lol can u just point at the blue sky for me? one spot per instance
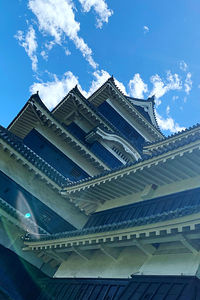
(151, 47)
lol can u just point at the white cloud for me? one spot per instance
(121, 86)
(67, 52)
(100, 8)
(52, 92)
(44, 55)
(188, 83)
(57, 18)
(174, 82)
(168, 123)
(49, 45)
(168, 110)
(30, 45)
(100, 78)
(161, 87)
(174, 98)
(183, 66)
(146, 29)
(137, 87)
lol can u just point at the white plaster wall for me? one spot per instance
(171, 264)
(129, 262)
(100, 265)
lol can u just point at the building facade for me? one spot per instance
(96, 198)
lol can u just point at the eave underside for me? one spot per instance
(166, 169)
(172, 237)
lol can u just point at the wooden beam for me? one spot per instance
(102, 191)
(171, 167)
(139, 177)
(112, 253)
(57, 256)
(39, 254)
(98, 194)
(91, 195)
(135, 180)
(188, 244)
(167, 172)
(123, 185)
(146, 249)
(190, 164)
(154, 179)
(185, 169)
(80, 253)
(46, 258)
(155, 173)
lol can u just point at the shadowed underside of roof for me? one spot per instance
(146, 212)
(181, 139)
(26, 208)
(156, 209)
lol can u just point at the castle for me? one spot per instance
(99, 200)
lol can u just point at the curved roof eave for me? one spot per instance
(152, 127)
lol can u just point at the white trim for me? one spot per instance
(147, 108)
(115, 138)
(113, 153)
(141, 231)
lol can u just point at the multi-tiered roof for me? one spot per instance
(115, 183)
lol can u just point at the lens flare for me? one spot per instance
(25, 215)
(27, 222)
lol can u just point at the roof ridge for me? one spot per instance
(155, 216)
(174, 134)
(144, 158)
(62, 181)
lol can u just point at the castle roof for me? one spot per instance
(141, 213)
(18, 149)
(176, 159)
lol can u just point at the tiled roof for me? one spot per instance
(173, 146)
(54, 156)
(17, 144)
(141, 109)
(76, 91)
(40, 217)
(10, 210)
(140, 213)
(175, 135)
(95, 110)
(148, 211)
(95, 147)
(111, 81)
